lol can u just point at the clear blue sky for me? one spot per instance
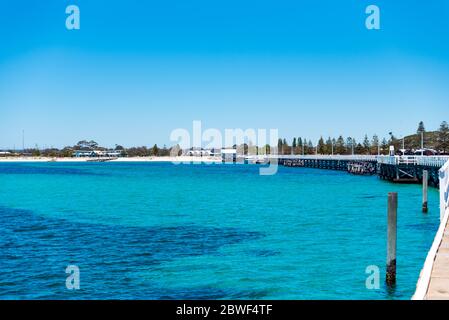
(139, 69)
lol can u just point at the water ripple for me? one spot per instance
(36, 254)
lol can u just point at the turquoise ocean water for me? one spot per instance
(164, 231)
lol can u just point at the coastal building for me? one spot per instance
(229, 155)
(426, 152)
(199, 153)
(214, 152)
(5, 154)
(97, 153)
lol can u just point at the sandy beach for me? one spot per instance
(180, 159)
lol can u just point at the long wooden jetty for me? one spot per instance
(410, 169)
(400, 169)
(352, 164)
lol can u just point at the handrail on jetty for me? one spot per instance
(422, 287)
(398, 169)
(444, 189)
(325, 157)
(430, 161)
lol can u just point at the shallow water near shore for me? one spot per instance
(210, 231)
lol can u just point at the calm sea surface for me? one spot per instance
(164, 231)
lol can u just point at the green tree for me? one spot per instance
(66, 152)
(359, 149)
(340, 145)
(443, 137)
(328, 146)
(280, 146)
(394, 142)
(384, 146)
(86, 145)
(155, 150)
(36, 153)
(310, 148)
(285, 147)
(299, 144)
(164, 151)
(321, 146)
(366, 145)
(349, 145)
(421, 128)
(305, 146)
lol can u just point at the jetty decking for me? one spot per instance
(433, 283)
(439, 278)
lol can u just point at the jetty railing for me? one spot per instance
(430, 161)
(396, 160)
(424, 278)
(427, 161)
(444, 189)
(326, 157)
(434, 161)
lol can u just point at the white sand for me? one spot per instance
(169, 159)
(180, 159)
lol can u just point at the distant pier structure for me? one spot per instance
(352, 164)
(410, 169)
(400, 169)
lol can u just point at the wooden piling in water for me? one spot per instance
(391, 237)
(425, 179)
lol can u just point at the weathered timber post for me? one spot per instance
(391, 237)
(425, 179)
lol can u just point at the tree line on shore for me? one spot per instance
(91, 145)
(437, 140)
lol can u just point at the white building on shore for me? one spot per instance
(197, 152)
(97, 153)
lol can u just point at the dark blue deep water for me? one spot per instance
(164, 231)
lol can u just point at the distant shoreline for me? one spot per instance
(124, 159)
